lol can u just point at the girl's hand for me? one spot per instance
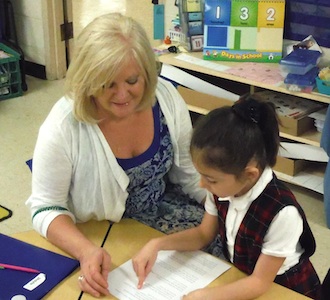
(143, 262)
(95, 265)
(200, 294)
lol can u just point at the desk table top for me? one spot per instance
(68, 288)
(129, 236)
(123, 241)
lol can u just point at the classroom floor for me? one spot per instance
(20, 119)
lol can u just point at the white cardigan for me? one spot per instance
(74, 167)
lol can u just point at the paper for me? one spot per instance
(193, 5)
(201, 62)
(159, 22)
(262, 73)
(288, 105)
(195, 83)
(306, 179)
(319, 115)
(303, 151)
(173, 275)
(35, 282)
(309, 43)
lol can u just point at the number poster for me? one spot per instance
(243, 30)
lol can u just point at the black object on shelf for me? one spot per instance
(8, 35)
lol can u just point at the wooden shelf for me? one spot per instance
(311, 137)
(311, 178)
(201, 68)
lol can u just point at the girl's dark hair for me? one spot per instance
(231, 136)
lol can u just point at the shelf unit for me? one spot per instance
(311, 137)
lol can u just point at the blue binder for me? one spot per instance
(56, 267)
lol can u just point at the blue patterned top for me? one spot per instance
(147, 172)
(153, 199)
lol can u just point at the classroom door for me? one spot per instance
(64, 20)
(58, 26)
(76, 14)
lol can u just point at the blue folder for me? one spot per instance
(56, 267)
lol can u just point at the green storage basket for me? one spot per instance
(10, 74)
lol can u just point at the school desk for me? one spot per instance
(128, 236)
(68, 288)
(123, 241)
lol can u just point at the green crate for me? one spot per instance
(10, 74)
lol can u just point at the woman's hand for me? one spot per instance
(144, 260)
(95, 262)
(95, 265)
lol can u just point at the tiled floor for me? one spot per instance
(20, 119)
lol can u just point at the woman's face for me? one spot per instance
(121, 98)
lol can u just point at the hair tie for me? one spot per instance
(247, 109)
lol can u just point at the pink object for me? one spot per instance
(18, 268)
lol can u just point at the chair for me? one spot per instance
(29, 163)
(326, 287)
(325, 144)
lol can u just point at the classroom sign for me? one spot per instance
(243, 30)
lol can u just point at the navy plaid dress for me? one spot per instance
(302, 277)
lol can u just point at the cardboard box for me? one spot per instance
(292, 111)
(290, 166)
(296, 127)
(201, 102)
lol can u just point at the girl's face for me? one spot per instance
(219, 183)
(124, 94)
(222, 184)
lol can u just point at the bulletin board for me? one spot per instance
(243, 30)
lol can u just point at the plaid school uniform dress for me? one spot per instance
(302, 277)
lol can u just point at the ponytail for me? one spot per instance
(230, 137)
(264, 115)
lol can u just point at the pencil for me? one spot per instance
(18, 268)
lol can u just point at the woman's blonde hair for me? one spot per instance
(100, 50)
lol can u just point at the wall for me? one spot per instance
(85, 11)
(30, 30)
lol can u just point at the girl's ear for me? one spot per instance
(252, 173)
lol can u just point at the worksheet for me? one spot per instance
(173, 275)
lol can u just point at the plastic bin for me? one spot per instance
(10, 74)
(323, 86)
(299, 61)
(302, 83)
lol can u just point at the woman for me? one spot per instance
(117, 145)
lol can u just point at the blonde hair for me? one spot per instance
(100, 50)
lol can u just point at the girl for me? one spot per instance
(264, 230)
